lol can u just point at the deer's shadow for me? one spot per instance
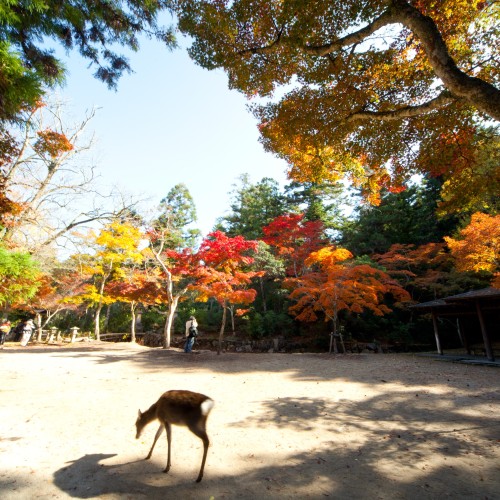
(88, 477)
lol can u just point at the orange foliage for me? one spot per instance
(478, 246)
(52, 143)
(341, 284)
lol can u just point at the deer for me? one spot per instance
(178, 407)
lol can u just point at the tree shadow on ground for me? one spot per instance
(399, 450)
(388, 423)
(398, 444)
(400, 368)
(316, 474)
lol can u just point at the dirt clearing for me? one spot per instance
(284, 425)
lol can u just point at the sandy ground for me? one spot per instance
(284, 425)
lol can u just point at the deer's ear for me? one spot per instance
(140, 414)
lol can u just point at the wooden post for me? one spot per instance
(436, 333)
(462, 335)
(486, 338)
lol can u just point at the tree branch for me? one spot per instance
(438, 102)
(484, 96)
(353, 38)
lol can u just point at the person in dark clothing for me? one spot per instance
(191, 333)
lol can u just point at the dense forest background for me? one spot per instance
(393, 153)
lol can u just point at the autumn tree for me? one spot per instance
(9, 149)
(171, 239)
(369, 89)
(137, 286)
(46, 174)
(475, 185)
(223, 275)
(336, 283)
(426, 271)
(477, 247)
(94, 28)
(114, 247)
(293, 239)
(54, 295)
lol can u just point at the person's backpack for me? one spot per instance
(193, 332)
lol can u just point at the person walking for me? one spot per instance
(28, 328)
(191, 333)
(4, 331)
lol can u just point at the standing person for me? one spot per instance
(191, 333)
(4, 331)
(28, 328)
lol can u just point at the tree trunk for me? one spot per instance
(332, 337)
(262, 292)
(169, 321)
(97, 317)
(231, 310)
(221, 333)
(106, 319)
(132, 326)
(484, 96)
(38, 322)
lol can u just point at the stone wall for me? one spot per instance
(276, 344)
(230, 344)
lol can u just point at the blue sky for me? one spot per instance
(170, 122)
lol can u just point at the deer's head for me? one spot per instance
(139, 425)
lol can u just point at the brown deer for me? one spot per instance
(180, 408)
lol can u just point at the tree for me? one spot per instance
(406, 218)
(253, 206)
(46, 175)
(171, 244)
(478, 246)
(19, 274)
(368, 86)
(136, 286)
(54, 295)
(293, 239)
(177, 214)
(222, 275)
(273, 268)
(93, 27)
(475, 185)
(20, 87)
(115, 246)
(339, 283)
(177, 271)
(426, 271)
(318, 202)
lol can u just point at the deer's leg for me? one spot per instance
(168, 428)
(158, 434)
(199, 430)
